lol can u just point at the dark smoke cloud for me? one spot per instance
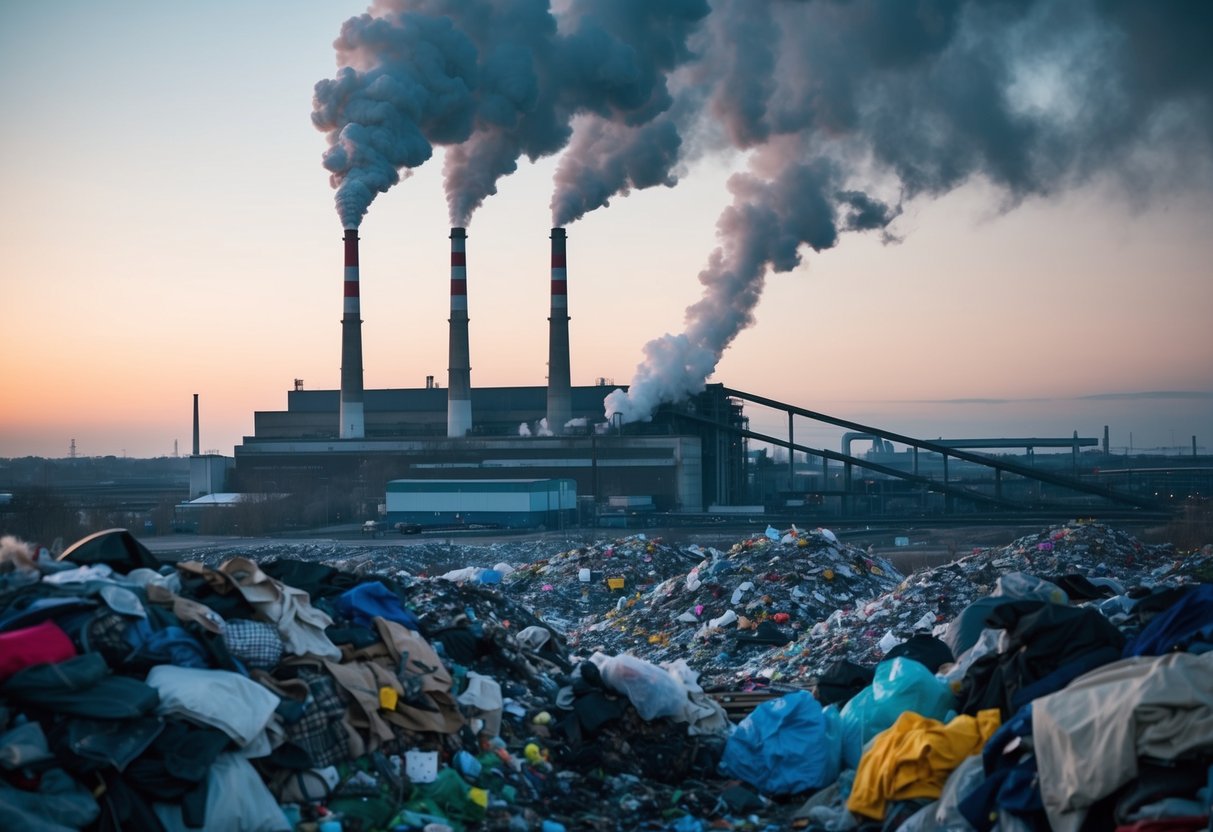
(915, 98)
(509, 85)
(404, 83)
(606, 160)
(845, 110)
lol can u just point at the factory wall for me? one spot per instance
(663, 467)
(421, 412)
(682, 463)
(503, 503)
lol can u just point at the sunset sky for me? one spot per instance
(166, 229)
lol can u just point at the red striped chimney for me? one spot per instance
(459, 384)
(352, 424)
(560, 397)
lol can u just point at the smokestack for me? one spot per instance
(459, 385)
(560, 396)
(196, 445)
(353, 425)
(1105, 440)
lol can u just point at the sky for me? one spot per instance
(168, 227)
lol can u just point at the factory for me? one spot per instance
(353, 442)
(399, 454)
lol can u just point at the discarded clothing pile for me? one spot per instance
(281, 694)
(273, 695)
(765, 590)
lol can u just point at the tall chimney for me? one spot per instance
(560, 396)
(196, 445)
(459, 385)
(351, 416)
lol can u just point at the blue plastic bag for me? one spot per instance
(900, 685)
(785, 746)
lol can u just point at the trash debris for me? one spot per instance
(619, 684)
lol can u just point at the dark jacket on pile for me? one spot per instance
(1049, 646)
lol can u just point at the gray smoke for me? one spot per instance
(494, 80)
(405, 82)
(606, 159)
(845, 109)
(914, 98)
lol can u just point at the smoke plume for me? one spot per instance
(837, 103)
(844, 111)
(405, 82)
(493, 81)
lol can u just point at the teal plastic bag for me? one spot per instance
(900, 685)
(786, 745)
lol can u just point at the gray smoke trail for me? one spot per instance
(606, 159)
(404, 83)
(1034, 97)
(765, 227)
(495, 80)
(611, 59)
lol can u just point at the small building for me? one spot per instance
(209, 474)
(509, 504)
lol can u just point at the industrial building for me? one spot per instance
(343, 447)
(682, 464)
(506, 504)
(352, 442)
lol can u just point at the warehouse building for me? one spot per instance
(504, 504)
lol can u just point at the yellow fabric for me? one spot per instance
(914, 757)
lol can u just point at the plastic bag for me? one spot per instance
(1025, 587)
(654, 692)
(785, 746)
(900, 685)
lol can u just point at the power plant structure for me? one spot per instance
(459, 382)
(353, 441)
(505, 446)
(351, 420)
(560, 407)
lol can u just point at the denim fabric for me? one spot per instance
(60, 805)
(113, 742)
(82, 686)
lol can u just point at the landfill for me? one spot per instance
(790, 680)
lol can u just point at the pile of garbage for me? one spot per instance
(765, 590)
(335, 691)
(1072, 556)
(582, 583)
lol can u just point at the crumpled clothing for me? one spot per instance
(186, 610)
(79, 575)
(236, 799)
(1159, 707)
(299, 623)
(418, 664)
(914, 758)
(483, 698)
(362, 681)
(234, 704)
(59, 805)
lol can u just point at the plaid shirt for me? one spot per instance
(320, 731)
(255, 643)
